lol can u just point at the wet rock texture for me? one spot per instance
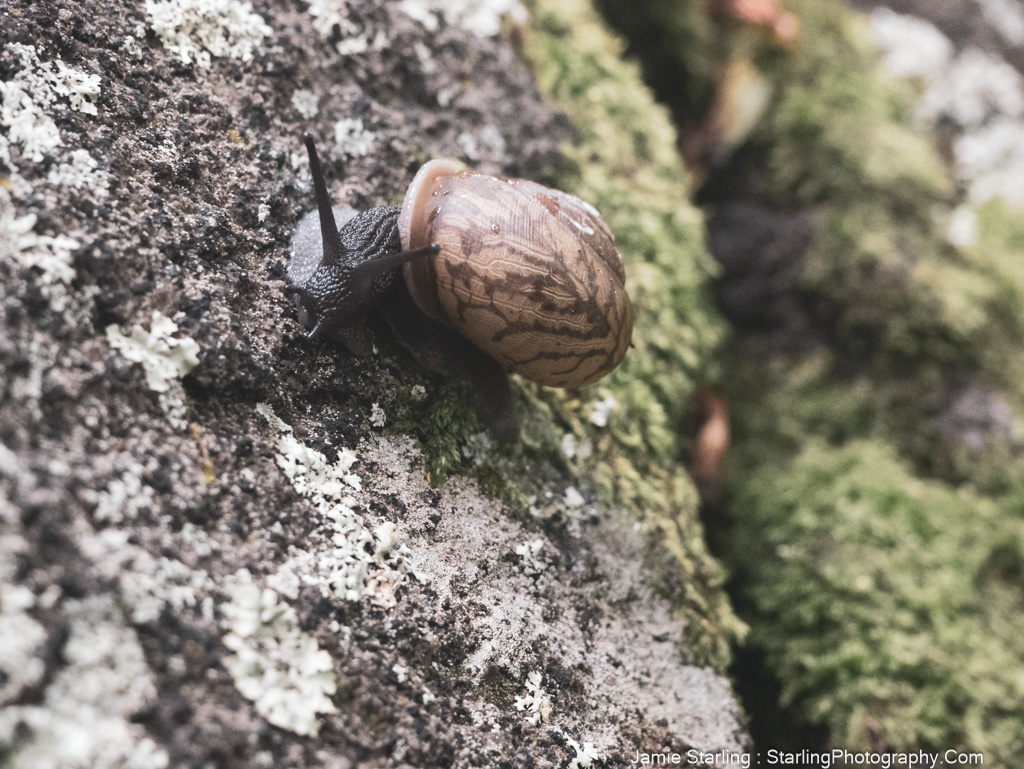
(149, 512)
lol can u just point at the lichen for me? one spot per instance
(528, 553)
(85, 718)
(82, 173)
(49, 261)
(536, 701)
(21, 636)
(275, 664)
(344, 558)
(586, 754)
(31, 95)
(976, 94)
(50, 256)
(148, 584)
(306, 103)
(480, 17)
(351, 139)
(197, 30)
(165, 359)
(328, 14)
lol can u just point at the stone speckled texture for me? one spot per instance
(114, 524)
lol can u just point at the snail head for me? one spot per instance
(355, 270)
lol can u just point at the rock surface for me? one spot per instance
(210, 555)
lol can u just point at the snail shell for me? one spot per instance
(528, 274)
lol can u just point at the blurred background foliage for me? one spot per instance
(871, 508)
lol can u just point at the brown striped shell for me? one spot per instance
(528, 274)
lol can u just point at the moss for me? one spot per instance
(882, 600)
(839, 141)
(839, 132)
(440, 422)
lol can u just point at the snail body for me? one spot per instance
(528, 275)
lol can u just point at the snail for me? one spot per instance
(504, 275)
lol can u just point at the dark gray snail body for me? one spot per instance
(529, 275)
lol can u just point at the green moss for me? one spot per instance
(838, 132)
(441, 422)
(882, 600)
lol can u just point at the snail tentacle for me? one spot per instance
(332, 242)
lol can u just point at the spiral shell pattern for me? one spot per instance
(529, 274)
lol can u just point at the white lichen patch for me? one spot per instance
(152, 584)
(197, 30)
(479, 17)
(976, 93)
(1006, 17)
(82, 173)
(26, 387)
(599, 411)
(275, 664)
(489, 142)
(308, 469)
(991, 160)
(148, 584)
(576, 449)
(377, 416)
(478, 448)
(963, 227)
(529, 561)
(27, 104)
(351, 46)
(586, 754)
(536, 701)
(329, 15)
(911, 47)
(30, 97)
(974, 87)
(21, 637)
(306, 103)
(50, 258)
(165, 359)
(422, 11)
(351, 139)
(85, 716)
(573, 499)
(122, 498)
(343, 559)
